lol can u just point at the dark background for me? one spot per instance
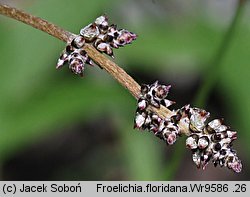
(57, 126)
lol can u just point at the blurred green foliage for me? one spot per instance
(36, 100)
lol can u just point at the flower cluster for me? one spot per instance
(211, 141)
(102, 36)
(208, 141)
(105, 37)
(75, 56)
(155, 95)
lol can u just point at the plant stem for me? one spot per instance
(214, 71)
(36, 22)
(113, 69)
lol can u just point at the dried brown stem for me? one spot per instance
(113, 69)
(36, 22)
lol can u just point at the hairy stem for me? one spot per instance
(113, 69)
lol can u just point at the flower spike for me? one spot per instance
(208, 141)
(155, 95)
(102, 36)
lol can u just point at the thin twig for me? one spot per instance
(113, 69)
(36, 22)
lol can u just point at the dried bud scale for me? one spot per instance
(208, 141)
(102, 36)
(197, 119)
(191, 142)
(90, 32)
